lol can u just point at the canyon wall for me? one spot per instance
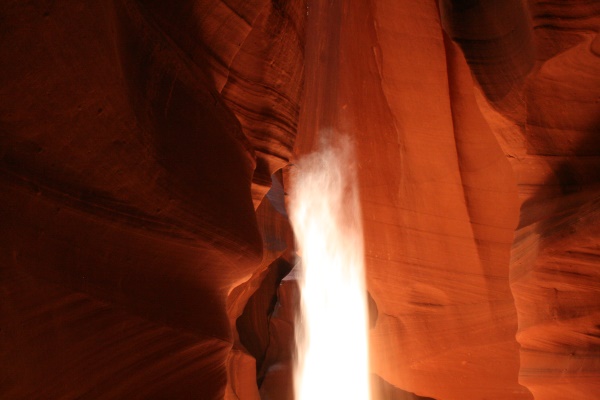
(144, 154)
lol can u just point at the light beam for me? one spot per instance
(332, 332)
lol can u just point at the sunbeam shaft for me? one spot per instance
(331, 334)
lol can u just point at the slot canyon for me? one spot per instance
(147, 153)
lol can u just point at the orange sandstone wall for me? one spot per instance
(439, 197)
(143, 232)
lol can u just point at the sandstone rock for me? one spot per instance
(143, 156)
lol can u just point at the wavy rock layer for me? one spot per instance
(439, 199)
(551, 138)
(144, 235)
(127, 215)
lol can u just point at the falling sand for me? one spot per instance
(332, 334)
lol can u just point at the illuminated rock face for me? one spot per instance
(140, 256)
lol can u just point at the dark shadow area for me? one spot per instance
(253, 324)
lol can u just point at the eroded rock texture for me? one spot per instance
(439, 198)
(551, 139)
(144, 236)
(128, 166)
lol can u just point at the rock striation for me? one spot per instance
(144, 156)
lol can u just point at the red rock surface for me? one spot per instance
(430, 171)
(141, 255)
